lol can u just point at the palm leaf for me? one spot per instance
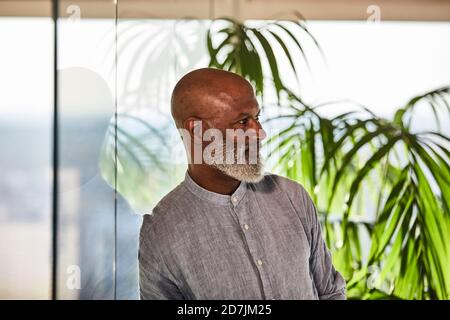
(242, 50)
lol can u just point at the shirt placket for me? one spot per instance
(241, 214)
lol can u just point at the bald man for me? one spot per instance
(229, 231)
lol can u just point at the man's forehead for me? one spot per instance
(226, 97)
(235, 103)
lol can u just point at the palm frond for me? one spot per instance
(243, 49)
(410, 232)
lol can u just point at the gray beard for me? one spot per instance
(248, 172)
(252, 173)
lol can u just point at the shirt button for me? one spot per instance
(234, 199)
(259, 262)
(246, 226)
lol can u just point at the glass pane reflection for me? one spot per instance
(26, 105)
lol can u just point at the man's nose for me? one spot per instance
(260, 133)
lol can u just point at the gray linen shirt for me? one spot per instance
(262, 242)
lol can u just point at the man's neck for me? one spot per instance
(212, 179)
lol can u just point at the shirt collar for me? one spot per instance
(214, 197)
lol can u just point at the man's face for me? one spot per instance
(237, 118)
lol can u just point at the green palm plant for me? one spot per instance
(354, 163)
(408, 174)
(243, 49)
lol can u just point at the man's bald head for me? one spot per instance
(206, 93)
(227, 104)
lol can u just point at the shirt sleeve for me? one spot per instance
(329, 283)
(155, 280)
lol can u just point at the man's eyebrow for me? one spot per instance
(246, 114)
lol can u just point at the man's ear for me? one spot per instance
(194, 126)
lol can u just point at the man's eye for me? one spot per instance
(243, 121)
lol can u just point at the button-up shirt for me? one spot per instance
(261, 242)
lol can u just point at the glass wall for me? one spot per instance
(86, 245)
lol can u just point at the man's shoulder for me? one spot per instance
(166, 208)
(171, 200)
(294, 190)
(282, 183)
(297, 195)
